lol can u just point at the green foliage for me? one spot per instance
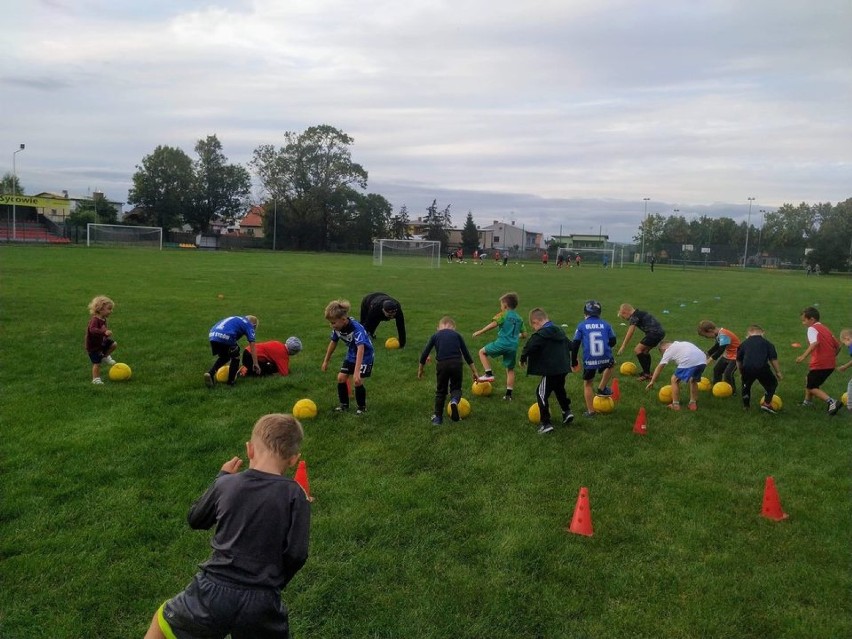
(220, 191)
(95, 211)
(398, 228)
(418, 532)
(438, 224)
(164, 187)
(11, 185)
(469, 235)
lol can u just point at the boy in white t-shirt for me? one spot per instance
(691, 362)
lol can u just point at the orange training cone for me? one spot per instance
(640, 426)
(771, 504)
(581, 522)
(616, 391)
(302, 478)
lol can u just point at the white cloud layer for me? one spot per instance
(558, 114)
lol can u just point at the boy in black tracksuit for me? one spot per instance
(381, 307)
(548, 351)
(756, 357)
(450, 349)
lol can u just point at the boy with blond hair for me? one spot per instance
(548, 353)
(690, 361)
(654, 334)
(756, 359)
(510, 330)
(358, 361)
(450, 350)
(262, 524)
(99, 343)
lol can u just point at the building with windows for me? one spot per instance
(581, 241)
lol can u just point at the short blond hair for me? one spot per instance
(447, 321)
(99, 303)
(337, 309)
(846, 333)
(280, 433)
(626, 308)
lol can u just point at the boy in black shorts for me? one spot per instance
(654, 334)
(262, 522)
(756, 359)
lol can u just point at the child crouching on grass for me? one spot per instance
(262, 524)
(690, 361)
(450, 349)
(99, 343)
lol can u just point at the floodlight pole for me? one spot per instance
(15, 188)
(644, 224)
(274, 223)
(748, 224)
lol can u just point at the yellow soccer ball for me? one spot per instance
(120, 372)
(464, 408)
(534, 415)
(844, 398)
(603, 404)
(665, 394)
(222, 374)
(305, 409)
(482, 389)
(391, 343)
(776, 403)
(704, 384)
(722, 389)
(628, 368)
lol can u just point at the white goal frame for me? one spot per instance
(124, 235)
(384, 248)
(608, 252)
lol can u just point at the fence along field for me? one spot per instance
(417, 532)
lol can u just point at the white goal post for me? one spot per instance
(595, 256)
(420, 252)
(124, 235)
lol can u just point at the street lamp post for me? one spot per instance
(748, 225)
(15, 187)
(274, 223)
(644, 230)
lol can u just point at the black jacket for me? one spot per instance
(372, 315)
(547, 351)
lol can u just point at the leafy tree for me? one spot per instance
(789, 227)
(11, 185)
(371, 219)
(438, 224)
(95, 211)
(164, 186)
(469, 235)
(832, 242)
(312, 178)
(651, 228)
(399, 224)
(220, 190)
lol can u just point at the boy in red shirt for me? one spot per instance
(822, 349)
(724, 351)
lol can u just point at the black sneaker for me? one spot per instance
(454, 411)
(606, 391)
(437, 420)
(508, 398)
(567, 417)
(545, 428)
(342, 408)
(833, 407)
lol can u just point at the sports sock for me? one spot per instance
(361, 396)
(343, 393)
(645, 362)
(508, 392)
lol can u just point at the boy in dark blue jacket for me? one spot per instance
(548, 353)
(450, 349)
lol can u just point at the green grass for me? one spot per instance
(417, 531)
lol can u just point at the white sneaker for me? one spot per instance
(485, 378)
(109, 361)
(97, 380)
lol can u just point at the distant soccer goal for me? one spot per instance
(120, 235)
(593, 256)
(426, 253)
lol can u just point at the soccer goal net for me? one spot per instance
(426, 253)
(120, 235)
(595, 256)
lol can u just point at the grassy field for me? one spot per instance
(418, 531)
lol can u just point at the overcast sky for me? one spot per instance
(558, 114)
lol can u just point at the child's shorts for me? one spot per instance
(96, 357)
(691, 373)
(652, 339)
(507, 349)
(589, 373)
(816, 378)
(208, 609)
(348, 368)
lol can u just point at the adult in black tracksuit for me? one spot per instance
(450, 349)
(548, 353)
(381, 307)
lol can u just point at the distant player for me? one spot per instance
(652, 329)
(273, 357)
(358, 361)
(756, 359)
(596, 338)
(724, 351)
(822, 349)
(223, 337)
(690, 361)
(381, 307)
(544, 258)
